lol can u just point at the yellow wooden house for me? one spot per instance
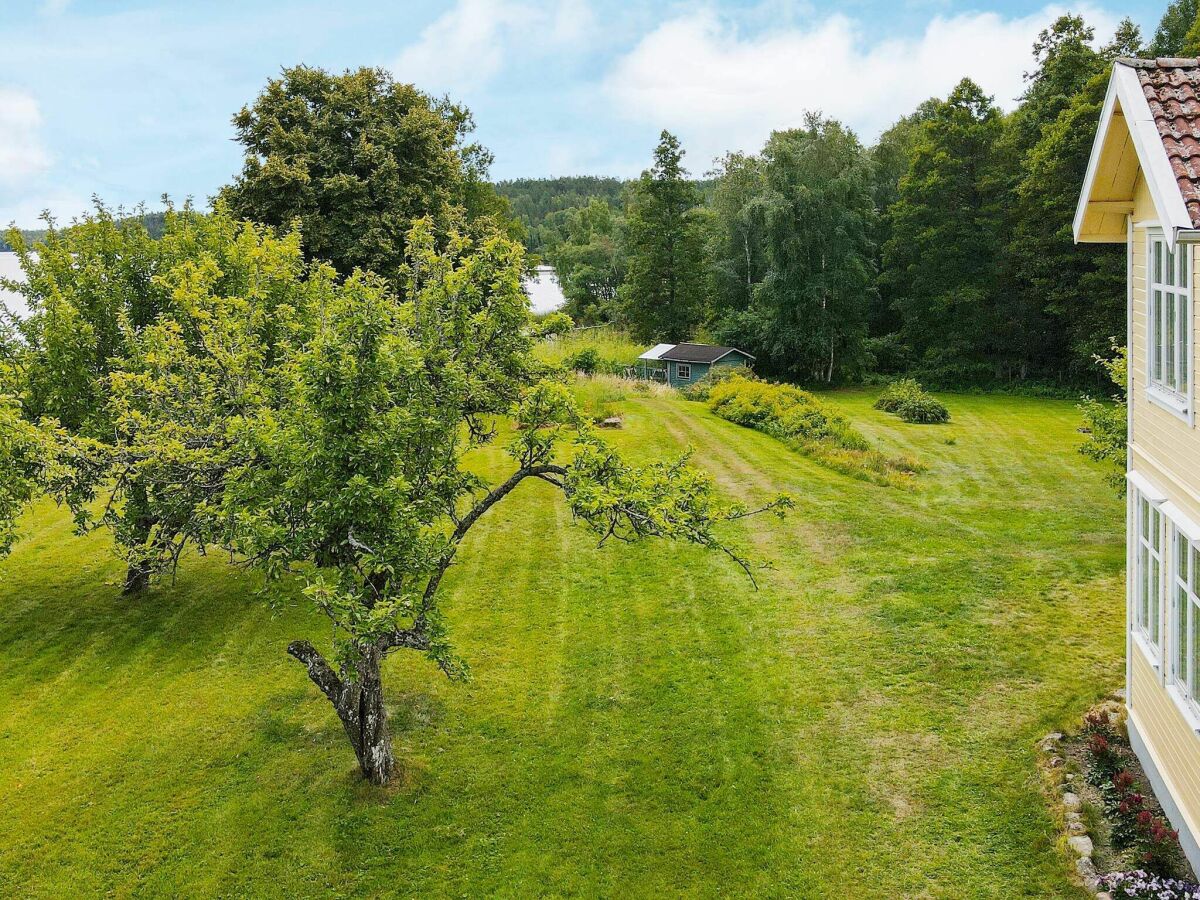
(1142, 189)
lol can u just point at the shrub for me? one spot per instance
(1104, 759)
(1157, 844)
(589, 362)
(1146, 886)
(701, 388)
(806, 424)
(908, 400)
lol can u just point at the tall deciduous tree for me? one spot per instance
(323, 432)
(590, 261)
(808, 317)
(940, 262)
(1171, 35)
(891, 157)
(90, 289)
(355, 159)
(1079, 290)
(736, 253)
(663, 297)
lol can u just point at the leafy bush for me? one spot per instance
(1106, 423)
(1104, 758)
(700, 389)
(908, 400)
(590, 362)
(1141, 885)
(798, 418)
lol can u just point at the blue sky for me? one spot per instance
(130, 100)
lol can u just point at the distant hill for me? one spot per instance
(153, 222)
(536, 200)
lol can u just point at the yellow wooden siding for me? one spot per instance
(1173, 744)
(1162, 445)
(1166, 450)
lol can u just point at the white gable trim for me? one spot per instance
(1124, 88)
(734, 350)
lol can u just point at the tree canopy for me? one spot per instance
(663, 296)
(355, 159)
(314, 426)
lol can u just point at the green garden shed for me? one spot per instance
(682, 364)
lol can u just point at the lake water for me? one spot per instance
(10, 268)
(544, 293)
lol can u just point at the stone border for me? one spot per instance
(1077, 837)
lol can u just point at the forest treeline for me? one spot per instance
(944, 250)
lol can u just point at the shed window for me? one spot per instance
(1169, 322)
(1184, 641)
(684, 372)
(1148, 571)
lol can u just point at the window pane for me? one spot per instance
(1156, 337)
(1181, 341)
(1169, 342)
(1158, 251)
(1155, 528)
(1154, 603)
(1140, 612)
(1181, 254)
(1168, 266)
(1194, 667)
(1179, 653)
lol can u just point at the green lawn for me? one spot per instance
(639, 721)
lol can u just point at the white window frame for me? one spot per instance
(1183, 614)
(1169, 375)
(683, 371)
(1147, 598)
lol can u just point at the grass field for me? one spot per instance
(639, 722)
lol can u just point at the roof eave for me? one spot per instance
(1125, 88)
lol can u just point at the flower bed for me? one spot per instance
(1123, 844)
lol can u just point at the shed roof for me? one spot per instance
(691, 353)
(656, 351)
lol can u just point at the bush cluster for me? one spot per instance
(782, 410)
(908, 400)
(701, 388)
(799, 419)
(590, 362)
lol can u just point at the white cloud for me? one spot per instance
(721, 91)
(471, 43)
(21, 152)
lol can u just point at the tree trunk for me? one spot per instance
(357, 696)
(137, 578)
(137, 575)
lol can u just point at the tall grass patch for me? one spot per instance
(808, 426)
(601, 350)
